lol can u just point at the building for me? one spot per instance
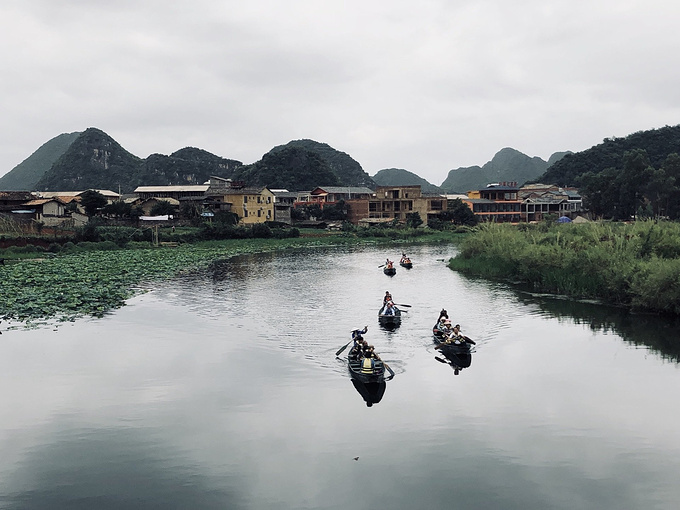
(252, 205)
(396, 202)
(539, 200)
(284, 201)
(498, 202)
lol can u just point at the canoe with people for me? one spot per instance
(389, 314)
(448, 337)
(363, 362)
(405, 261)
(388, 268)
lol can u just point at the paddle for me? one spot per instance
(388, 369)
(399, 304)
(344, 347)
(381, 265)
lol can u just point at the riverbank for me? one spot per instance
(100, 277)
(633, 265)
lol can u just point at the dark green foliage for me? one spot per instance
(291, 168)
(92, 201)
(413, 220)
(260, 230)
(185, 166)
(400, 177)
(26, 174)
(93, 161)
(635, 265)
(657, 143)
(348, 171)
(637, 188)
(161, 208)
(118, 209)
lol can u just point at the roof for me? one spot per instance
(19, 196)
(171, 201)
(172, 189)
(52, 194)
(244, 191)
(41, 201)
(345, 189)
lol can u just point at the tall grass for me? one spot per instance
(636, 265)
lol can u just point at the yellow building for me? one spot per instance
(252, 205)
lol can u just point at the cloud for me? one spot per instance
(427, 87)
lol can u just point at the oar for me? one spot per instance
(344, 347)
(388, 369)
(399, 304)
(381, 265)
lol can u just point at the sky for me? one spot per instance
(427, 86)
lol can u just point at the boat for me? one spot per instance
(405, 262)
(366, 370)
(457, 347)
(389, 320)
(390, 270)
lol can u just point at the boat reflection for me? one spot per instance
(457, 359)
(371, 392)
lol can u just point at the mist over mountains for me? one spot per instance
(92, 159)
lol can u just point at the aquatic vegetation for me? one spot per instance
(635, 265)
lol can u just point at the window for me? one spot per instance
(258, 199)
(245, 199)
(259, 213)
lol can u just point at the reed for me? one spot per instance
(636, 265)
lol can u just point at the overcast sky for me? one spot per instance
(427, 86)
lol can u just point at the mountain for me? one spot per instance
(507, 165)
(401, 177)
(185, 166)
(658, 143)
(93, 160)
(348, 171)
(26, 174)
(289, 167)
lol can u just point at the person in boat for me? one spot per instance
(443, 314)
(387, 298)
(389, 309)
(389, 264)
(357, 349)
(404, 259)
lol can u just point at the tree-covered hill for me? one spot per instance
(657, 143)
(348, 171)
(507, 165)
(185, 166)
(401, 177)
(292, 168)
(93, 160)
(26, 174)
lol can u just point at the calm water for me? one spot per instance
(222, 390)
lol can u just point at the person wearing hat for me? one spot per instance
(387, 298)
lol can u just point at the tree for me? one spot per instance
(161, 208)
(92, 201)
(118, 209)
(459, 213)
(413, 220)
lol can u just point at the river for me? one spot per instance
(221, 389)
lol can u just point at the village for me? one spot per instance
(503, 202)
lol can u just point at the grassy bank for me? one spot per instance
(635, 265)
(93, 278)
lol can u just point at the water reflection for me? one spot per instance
(372, 393)
(657, 333)
(456, 360)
